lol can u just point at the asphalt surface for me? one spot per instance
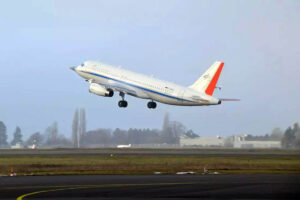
(151, 187)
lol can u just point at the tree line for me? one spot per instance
(290, 138)
(169, 134)
(50, 137)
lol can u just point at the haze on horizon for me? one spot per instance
(172, 40)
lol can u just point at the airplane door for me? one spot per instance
(168, 91)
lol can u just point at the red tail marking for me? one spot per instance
(212, 85)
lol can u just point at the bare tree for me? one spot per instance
(52, 134)
(3, 136)
(276, 134)
(35, 139)
(166, 134)
(82, 123)
(166, 123)
(78, 127)
(75, 129)
(177, 129)
(17, 137)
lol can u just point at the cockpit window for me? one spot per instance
(82, 65)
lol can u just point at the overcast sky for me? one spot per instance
(172, 40)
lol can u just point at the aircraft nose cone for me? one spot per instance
(73, 68)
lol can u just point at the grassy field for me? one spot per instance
(147, 161)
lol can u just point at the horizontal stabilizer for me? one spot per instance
(229, 99)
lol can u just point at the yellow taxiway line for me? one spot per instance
(72, 187)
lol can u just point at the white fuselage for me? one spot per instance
(142, 86)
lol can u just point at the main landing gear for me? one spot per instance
(122, 103)
(151, 105)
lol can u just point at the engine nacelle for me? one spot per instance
(101, 91)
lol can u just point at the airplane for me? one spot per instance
(123, 146)
(106, 79)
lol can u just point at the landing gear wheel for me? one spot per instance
(122, 104)
(154, 105)
(151, 105)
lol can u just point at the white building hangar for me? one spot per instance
(202, 142)
(240, 142)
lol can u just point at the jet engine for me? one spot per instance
(101, 91)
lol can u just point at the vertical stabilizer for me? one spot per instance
(208, 81)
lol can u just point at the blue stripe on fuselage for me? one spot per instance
(136, 86)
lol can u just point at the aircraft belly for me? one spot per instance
(141, 94)
(166, 99)
(174, 100)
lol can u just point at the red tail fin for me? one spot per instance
(212, 85)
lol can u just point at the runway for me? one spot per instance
(151, 187)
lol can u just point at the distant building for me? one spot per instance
(202, 142)
(240, 142)
(17, 146)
